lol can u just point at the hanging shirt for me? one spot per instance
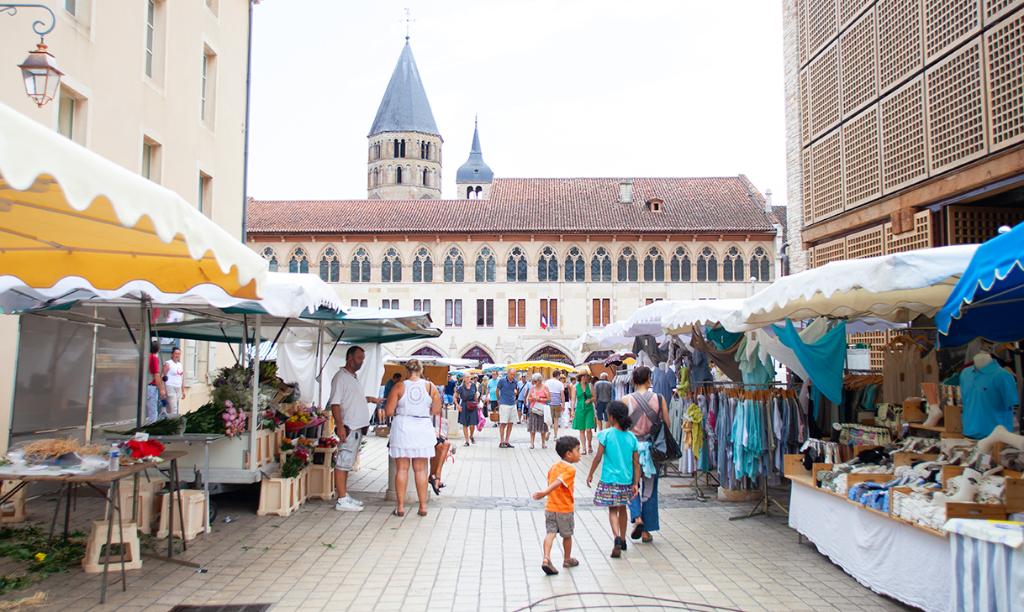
(990, 395)
(824, 360)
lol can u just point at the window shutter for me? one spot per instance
(522, 313)
(596, 318)
(511, 313)
(553, 313)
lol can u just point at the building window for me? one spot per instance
(151, 159)
(330, 266)
(547, 266)
(650, 301)
(517, 313)
(298, 262)
(575, 272)
(357, 303)
(66, 115)
(208, 87)
(732, 267)
(212, 5)
(154, 39)
(204, 197)
(707, 266)
(71, 6)
(454, 267)
(654, 266)
(601, 266)
(425, 184)
(453, 313)
(389, 304)
(421, 306)
(360, 266)
(486, 266)
(485, 313)
(398, 175)
(515, 271)
(548, 313)
(602, 312)
(681, 267)
(422, 267)
(391, 267)
(760, 266)
(271, 257)
(628, 267)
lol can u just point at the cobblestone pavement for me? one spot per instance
(478, 549)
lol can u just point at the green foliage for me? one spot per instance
(206, 419)
(42, 558)
(292, 466)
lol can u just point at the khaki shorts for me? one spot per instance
(507, 413)
(556, 413)
(345, 458)
(561, 523)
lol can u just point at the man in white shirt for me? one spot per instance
(556, 388)
(350, 408)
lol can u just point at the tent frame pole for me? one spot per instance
(255, 362)
(143, 345)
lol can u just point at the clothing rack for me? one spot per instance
(764, 504)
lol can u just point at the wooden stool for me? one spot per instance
(193, 507)
(127, 536)
(13, 510)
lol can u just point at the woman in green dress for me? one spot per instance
(583, 419)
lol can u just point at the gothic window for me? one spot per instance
(391, 267)
(601, 266)
(422, 267)
(760, 266)
(627, 265)
(454, 267)
(547, 266)
(425, 178)
(330, 266)
(298, 262)
(271, 257)
(575, 271)
(732, 266)
(654, 266)
(360, 266)
(515, 270)
(398, 175)
(485, 266)
(681, 267)
(707, 266)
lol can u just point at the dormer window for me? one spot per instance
(655, 204)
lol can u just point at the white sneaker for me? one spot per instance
(354, 501)
(346, 505)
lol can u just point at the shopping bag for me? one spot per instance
(481, 421)
(664, 447)
(563, 419)
(547, 415)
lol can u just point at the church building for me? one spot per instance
(515, 268)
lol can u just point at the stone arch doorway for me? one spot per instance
(479, 354)
(427, 351)
(550, 353)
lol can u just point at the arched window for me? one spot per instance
(654, 266)
(298, 262)
(628, 267)
(454, 267)
(732, 266)
(422, 267)
(391, 267)
(681, 266)
(707, 266)
(760, 266)
(398, 175)
(601, 266)
(485, 266)
(515, 269)
(330, 266)
(360, 266)
(575, 272)
(271, 257)
(469, 193)
(396, 149)
(477, 192)
(547, 266)
(425, 178)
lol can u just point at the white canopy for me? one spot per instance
(688, 313)
(897, 287)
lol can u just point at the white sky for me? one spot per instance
(563, 88)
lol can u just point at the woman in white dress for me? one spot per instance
(412, 403)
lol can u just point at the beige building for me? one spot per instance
(159, 87)
(515, 268)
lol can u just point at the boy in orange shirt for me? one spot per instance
(558, 515)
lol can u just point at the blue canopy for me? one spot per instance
(988, 301)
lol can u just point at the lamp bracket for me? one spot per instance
(39, 25)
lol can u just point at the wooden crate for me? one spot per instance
(265, 449)
(14, 510)
(793, 465)
(973, 510)
(321, 475)
(1014, 495)
(852, 479)
(952, 419)
(914, 410)
(950, 471)
(279, 496)
(899, 459)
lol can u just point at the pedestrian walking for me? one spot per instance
(449, 391)
(557, 392)
(411, 405)
(558, 512)
(620, 471)
(155, 390)
(506, 392)
(467, 402)
(583, 412)
(173, 375)
(492, 397)
(524, 404)
(351, 412)
(538, 399)
(647, 410)
(603, 393)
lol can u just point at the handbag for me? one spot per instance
(481, 421)
(547, 415)
(664, 447)
(537, 408)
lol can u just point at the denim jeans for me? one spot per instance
(648, 510)
(152, 403)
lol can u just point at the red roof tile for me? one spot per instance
(542, 205)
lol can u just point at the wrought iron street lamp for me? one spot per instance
(39, 70)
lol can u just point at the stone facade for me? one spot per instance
(794, 171)
(404, 166)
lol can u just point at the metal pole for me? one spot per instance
(143, 361)
(90, 396)
(255, 361)
(319, 364)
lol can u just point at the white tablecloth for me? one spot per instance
(988, 565)
(884, 555)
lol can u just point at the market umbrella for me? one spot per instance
(71, 219)
(540, 364)
(986, 301)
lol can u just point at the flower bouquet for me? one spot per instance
(299, 457)
(143, 450)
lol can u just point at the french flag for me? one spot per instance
(543, 321)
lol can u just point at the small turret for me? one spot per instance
(473, 179)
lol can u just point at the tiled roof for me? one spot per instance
(538, 205)
(779, 215)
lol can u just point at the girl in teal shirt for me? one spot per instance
(620, 474)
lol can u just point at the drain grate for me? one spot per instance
(225, 608)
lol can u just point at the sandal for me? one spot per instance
(398, 513)
(548, 568)
(570, 562)
(647, 539)
(421, 512)
(432, 481)
(465, 443)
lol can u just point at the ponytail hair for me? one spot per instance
(620, 413)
